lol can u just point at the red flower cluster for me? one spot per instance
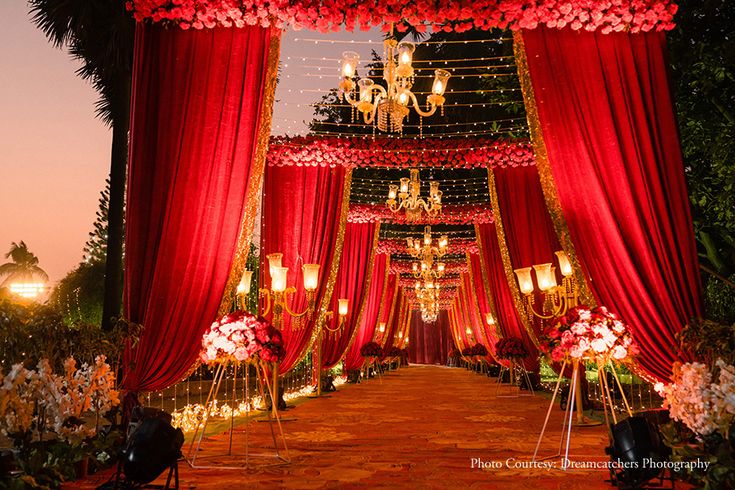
(478, 350)
(312, 151)
(371, 349)
(460, 214)
(394, 352)
(423, 15)
(510, 348)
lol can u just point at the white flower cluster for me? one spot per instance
(57, 403)
(694, 399)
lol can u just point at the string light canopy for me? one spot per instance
(388, 106)
(408, 197)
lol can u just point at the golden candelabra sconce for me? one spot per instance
(343, 308)
(276, 298)
(557, 298)
(406, 196)
(381, 333)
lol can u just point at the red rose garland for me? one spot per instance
(404, 267)
(462, 214)
(456, 246)
(437, 15)
(311, 151)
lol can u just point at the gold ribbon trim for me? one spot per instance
(544, 170)
(505, 254)
(368, 285)
(476, 302)
(256, 177)
(391, 312)
(486, 282)
(383, 294)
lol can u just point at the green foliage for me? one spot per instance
(95, 250)
(708, 341)
(79, 295)
(703, 59)
(29, 333)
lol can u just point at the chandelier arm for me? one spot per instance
(529, 305)
(417, 107)
(292, 313)
(348, 98)
(267, 294)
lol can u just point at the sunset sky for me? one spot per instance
(54, 154)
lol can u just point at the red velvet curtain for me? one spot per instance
(529, 232)
(369, 320)
(476, 273)
(606, 114)
(430, 343)
(353, 279)
(395, 323)
(302, 214)
(196, 106)
(460, 322)
(389, 309)
(508, 319)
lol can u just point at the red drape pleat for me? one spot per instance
(606, 113)
(430, 343)
(490, 332)
(529, 232)
(352, 283)
(508, 319)
(301, 219)
(395, 324)
(196, 103)
(369, 320)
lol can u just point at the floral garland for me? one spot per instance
(241, 337)
(312, 151)
(444, 282)
(588, 334)
(693, 398)
(456, 246)
(371, 349)
(510, 348)
(437, 15)
(461, 214)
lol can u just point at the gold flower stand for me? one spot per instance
(514, 380)
(279, 456)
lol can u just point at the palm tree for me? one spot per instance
(24, 265)
(100, 34)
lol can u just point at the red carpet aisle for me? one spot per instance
(419, 428)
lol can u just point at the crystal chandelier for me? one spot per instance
(425, 270)
(424, 248)
(427, 295)
(408, 197)
(388, 106)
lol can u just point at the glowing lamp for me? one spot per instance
(440, 266)
(278, 279)
(274, 260)
(244, 286)
(468, 331)
(350, 59)
(440, 82)
(416, 266)
(400, 335)
(565, 266)
(343, 307)
(392, 192)
(405, 53)
(443, 241)
(404, 185)
(311, 276)
(381, 327)
(365, 85)
(525, 282)
(27, 290)
(545, 276)
(489, 319)
(403, 97)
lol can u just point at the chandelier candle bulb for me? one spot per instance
(311, 276)
(565, 266)
(350, 59)
(440, 82)
(525, 282)
(244, 286)
(278, 279)
(545, 277)
(343, 306)
(274, 260)
(405, 57)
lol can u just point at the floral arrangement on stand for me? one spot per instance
(510, 348)
(241, 337)
(584, 334)
(701, 402)
(371, 349)
(442, 15)
(394, 352)
(467, 352)
(478, 350)
(54, 419)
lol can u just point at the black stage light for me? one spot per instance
(637, 451)
(153, 445)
